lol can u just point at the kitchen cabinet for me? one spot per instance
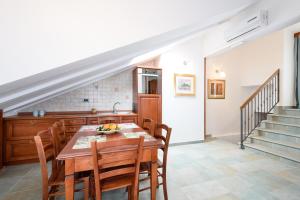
(20, 151)
(19, 143)
(149, 106)
(72, 125)
(19, 146)
(25, 129)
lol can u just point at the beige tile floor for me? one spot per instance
(217, 169)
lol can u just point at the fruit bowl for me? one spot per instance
(108, 128)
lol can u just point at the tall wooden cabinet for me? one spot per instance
(147, 98)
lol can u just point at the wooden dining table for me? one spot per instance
(78, 158)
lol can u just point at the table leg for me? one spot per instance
(69, 179)
(153, 173)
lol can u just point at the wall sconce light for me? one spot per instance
(185, 62)
(220, 74)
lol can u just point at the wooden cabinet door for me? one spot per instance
(129, 119)
(149, 107)
(25, 129)
(75, 121)
(21, 150)
(92, 121)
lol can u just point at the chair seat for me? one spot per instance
(58, 178)
(146, 166)
(117, 182)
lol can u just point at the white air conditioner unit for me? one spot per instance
(247, 26)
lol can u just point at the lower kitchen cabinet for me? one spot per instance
(18, 143)
(19, 151)
(149, 106)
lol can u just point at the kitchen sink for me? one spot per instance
(123, 113)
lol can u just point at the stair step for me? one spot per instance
(274, 152)
(289, 111)
(281, 123)
(280, 132)
(284, 118)
(292, 109)
(282, 143)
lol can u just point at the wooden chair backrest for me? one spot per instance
(59, 136)
(163, 132)
(148, 125)
(120, 163)
(107, 120)
(45, 149)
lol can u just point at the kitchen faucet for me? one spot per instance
(114, 107)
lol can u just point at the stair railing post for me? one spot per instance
(278, 75)
(242, 138)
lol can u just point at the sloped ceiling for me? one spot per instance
(95, 38)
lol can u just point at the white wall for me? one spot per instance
(184, 114)
(246, 67)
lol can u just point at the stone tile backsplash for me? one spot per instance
(101, 95)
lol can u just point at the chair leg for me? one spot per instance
(133, 194)
(164, 177)
(92, 188)
(128, 189)
(86, 186)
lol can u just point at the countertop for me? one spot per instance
(73, 115)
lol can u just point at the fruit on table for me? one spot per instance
(113, 126)
(108, 127)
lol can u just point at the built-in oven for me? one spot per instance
(149, 80)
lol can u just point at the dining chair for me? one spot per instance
(59, 136)
(114, 172)
(46, 152)
(107, 120)
(148, 125)
(162, 132)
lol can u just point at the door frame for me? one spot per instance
(205, 92)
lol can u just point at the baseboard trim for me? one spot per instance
(186, 143)
(225, 134)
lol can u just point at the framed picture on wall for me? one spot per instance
(216, 89)
(185, 84)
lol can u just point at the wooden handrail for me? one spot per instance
(259, 89)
